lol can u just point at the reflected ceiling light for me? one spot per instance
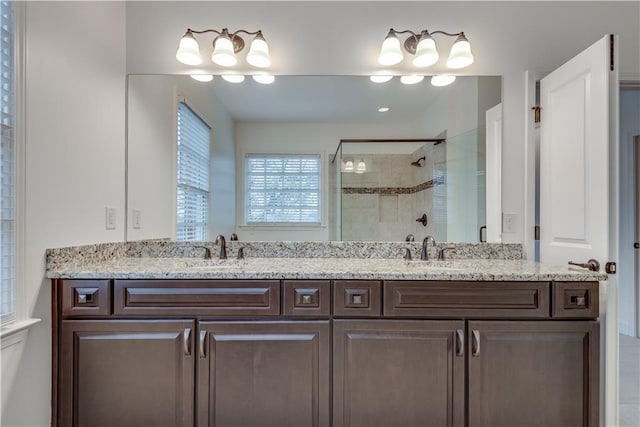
(383, 109)
(361, 167)
(422, 47)
(411, 79)
(348, 166)
(265, 79)
(233, 78)
(202, 77)
(442, 79)
(380, 78)
(225, 47)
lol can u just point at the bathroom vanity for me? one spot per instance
(324, 342)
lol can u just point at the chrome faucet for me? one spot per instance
(220, 240)
(424, 255)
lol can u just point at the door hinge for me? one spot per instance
(611, 50)
(536, 114)
(536, 232)
(610, 268)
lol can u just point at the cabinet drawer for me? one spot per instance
(306, 298)
(466, 299)
(575, 300)
(356, 298)
(85, 298)
(197, 297)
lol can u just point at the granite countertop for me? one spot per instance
(319, 268)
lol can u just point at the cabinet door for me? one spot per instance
(127, 373)
(540, 374)
(398, 373)
(263, 374)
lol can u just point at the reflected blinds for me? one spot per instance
(282, 189)
(7, 165)
(192, 175)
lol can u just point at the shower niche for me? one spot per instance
(398, 189)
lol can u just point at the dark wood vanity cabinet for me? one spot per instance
(321, 353)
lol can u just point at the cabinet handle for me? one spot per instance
(476, 343)
(201, 342)
(186, 341)
(460, 342)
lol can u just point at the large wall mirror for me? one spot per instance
(358, 173)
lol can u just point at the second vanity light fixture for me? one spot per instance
(225, 47)
(423, 47)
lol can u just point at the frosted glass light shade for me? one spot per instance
(361, 167)
(426, 53)
(233, 78)
(460, 55)
(265, 79)
(391, 52)
(348, 166)
(258, 55)
(202, 77)
(223, 53)
(380, 78)
(442, 80)
(188, 51)
(411, 80)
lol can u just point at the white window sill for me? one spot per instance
(16, 332)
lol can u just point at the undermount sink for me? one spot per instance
(211, 264)
(436, 265)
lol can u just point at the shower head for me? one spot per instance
(417, 162)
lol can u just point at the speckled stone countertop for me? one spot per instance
(320, 268)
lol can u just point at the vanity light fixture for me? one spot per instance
(347, 166)
(411, 79)
(202, 77)
(383, 109)
(225, 47)
(442, 79)
(361, 167)
(422, 47)
(233, 78)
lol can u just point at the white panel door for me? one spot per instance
(574, 159)
(493, 175)
(578, 194)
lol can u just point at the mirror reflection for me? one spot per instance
(312, 158)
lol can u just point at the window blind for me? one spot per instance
(7, 165)
(282, 189)
(192, 175)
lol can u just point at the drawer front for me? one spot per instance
(306, 298)
(357, 298)
(85, 298)
(575, 300)
(197, 297)
(466, 299)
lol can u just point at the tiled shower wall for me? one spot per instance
(383, 203)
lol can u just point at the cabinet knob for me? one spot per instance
(306, 299)
(82, 298)
(357, 299)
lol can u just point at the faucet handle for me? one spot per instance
(241, 252)
(441, 252)
(407, 254)
(234, 237)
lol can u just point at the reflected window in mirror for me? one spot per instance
(282, 189)
(193, 136)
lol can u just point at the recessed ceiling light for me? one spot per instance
(380, 79)
(265, 79)
(202, 77)
(383, 109)
(442, 80)
(233, 78)
(411, 80)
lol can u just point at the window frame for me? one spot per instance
(285, 225)
(180, 99)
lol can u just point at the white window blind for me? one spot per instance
(282, 189)
(7, 165)
(193, 175)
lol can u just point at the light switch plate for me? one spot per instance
(137, 217)
(110, 218)
(509, 222)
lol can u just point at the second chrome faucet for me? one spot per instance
(222, 242)
(424, 254)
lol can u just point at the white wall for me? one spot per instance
(507, 38)
(75, 80)
(629, 128)
(152, 106)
